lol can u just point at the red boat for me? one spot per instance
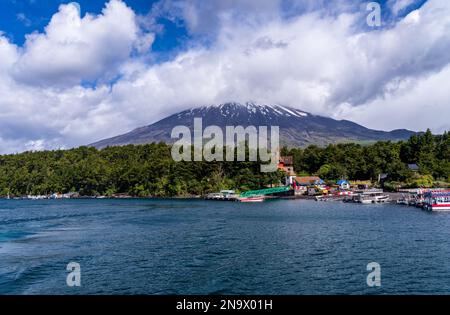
(437, 201)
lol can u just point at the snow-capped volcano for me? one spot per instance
(297, 128)
(235, 109)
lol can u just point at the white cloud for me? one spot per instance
(314, 62)
(386, 78)
(75, 49)
(23, 18)
(399, 5)
(420, 104)
(206, 17)
(35, 145)
(8, 54)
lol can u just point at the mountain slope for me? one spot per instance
(297, 128)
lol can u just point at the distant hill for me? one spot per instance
(297, 128)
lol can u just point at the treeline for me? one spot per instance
(149, 170)
(390, 159)
(143, 170)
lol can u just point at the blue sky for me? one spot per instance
(95, 69)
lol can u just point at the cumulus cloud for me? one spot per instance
(8, 54)
(74, 49)
(418, 104)
(317, 59)
(207, 17)
(399, 5)
(315, 62)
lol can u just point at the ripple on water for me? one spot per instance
(199, 247)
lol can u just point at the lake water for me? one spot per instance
(207, 247)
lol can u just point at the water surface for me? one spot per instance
(207, 247)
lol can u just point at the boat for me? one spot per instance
(437, 201)
(225, 195)
(336, 196)
(372, 196)
(214, 196)
(403, 201)
(36, 197)
(381, 198)
(365, 200)
(412, 197)
(252, 199)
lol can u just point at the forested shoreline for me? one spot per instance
(149, 170)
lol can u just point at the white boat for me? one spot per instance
(214, 196)
(336, 196)
(227, 195)
(372, 196)
(365, 200)
(252, 199)
(381, 198)
(36, 197)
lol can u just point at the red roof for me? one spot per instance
(306, 180)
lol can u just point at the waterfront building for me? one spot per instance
(286, 164)
(343, 184)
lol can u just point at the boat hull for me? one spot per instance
(438, 208)
(251, 199)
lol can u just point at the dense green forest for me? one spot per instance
(142, 170)
(148, 170)
(356, 162)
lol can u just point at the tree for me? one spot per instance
(143, 170)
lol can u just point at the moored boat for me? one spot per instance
(381, 198)
(336, 196)
(252, 199)
(371, 196)
(437, 201)
(226, 195)
(402, 201)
